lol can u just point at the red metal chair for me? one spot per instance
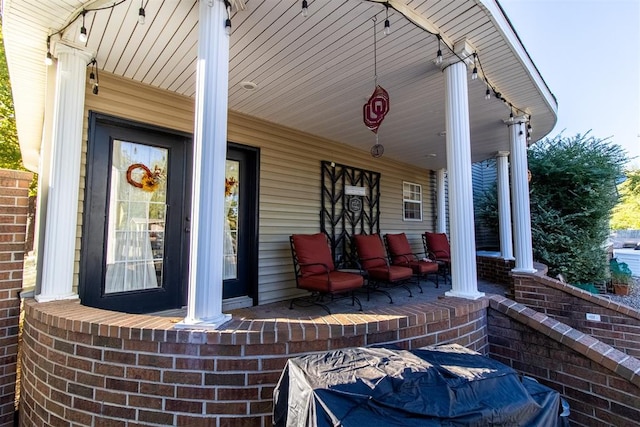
(436, 245)
(400, 254)
(316, 272)
(373, 259)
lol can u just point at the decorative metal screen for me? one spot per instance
(350, 205)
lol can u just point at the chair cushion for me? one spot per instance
(336, 281)
(423, 267)
(392, 274)
(399, 248)
(370, 251)
(313, 249)
(438, 244)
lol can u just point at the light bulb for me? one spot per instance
(387, 27)
(49, 59)
(439, 57)
(487, 94)
(92, 77)
(305, 8)
(227, 26)
(83, 35)
(95, 89)
(474, 73)
(141, 16)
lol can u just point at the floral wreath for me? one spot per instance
(149, 181)
(229, 183)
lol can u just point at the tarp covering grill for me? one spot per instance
(436, 386)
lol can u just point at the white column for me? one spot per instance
(441, 201)
(204, 306)
(504, 205)
(520, 187)
(464, 280)
(58, 255)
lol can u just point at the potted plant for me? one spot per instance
(620, 277)
(621, 282)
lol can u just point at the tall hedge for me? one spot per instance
(572, 192)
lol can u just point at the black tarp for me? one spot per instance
(437, 386)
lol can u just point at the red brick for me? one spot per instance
(189, 406)
(182, 377)
(161, 418)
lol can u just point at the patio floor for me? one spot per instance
(377, 301)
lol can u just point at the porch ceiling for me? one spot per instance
(313, 74)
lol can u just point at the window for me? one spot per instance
(411, 201)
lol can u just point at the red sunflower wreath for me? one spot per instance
(149, 180)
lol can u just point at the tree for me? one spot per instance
(572, 194)
(626, 215)
(10, 157)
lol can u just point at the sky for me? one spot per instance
(588, 53)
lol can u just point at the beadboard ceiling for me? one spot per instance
(313, 74)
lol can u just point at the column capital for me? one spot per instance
(502, 153)
(62, 48)
(516, 120)
(464, 50)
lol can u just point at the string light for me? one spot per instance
(83, 30)
(141, 14)
(474, 73)
(511, 113)
(94, 79)
(439, 55)
(387, 24)
(49, 58)
(83, 37)
(227, 22)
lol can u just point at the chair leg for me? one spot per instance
(355, 299)
(374, 287)
(308, 302)
(418, 278)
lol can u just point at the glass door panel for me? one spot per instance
(231, 205)
(137, 217)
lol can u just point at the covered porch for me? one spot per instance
(461, 88)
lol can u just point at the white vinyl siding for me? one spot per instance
(289, 187)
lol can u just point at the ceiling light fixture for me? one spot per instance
(248, 85)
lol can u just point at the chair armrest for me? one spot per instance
(410, 256)
(309, 264)
(375, 257)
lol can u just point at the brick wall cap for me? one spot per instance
(624, 365)
(237, 331)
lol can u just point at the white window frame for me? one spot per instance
(413, 189)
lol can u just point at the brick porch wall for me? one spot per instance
(619, 325)
(494, 269)
(600, 383)
(86, 367)
(14, 200)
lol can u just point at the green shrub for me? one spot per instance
(572, 193)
